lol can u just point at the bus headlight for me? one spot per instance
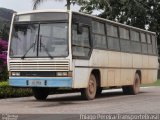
(15, 74)
(62, 74)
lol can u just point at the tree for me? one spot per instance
(137, 13)
(129, 12)
(3, 53)
(4, 32)
(36, 3)
(3, 59)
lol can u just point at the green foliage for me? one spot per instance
(4, 30)
(157, 83)
(36, 3)
(7, 91)
(130, 12)
(4, 74)
(3, 84)
(137, 13)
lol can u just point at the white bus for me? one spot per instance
(64, 49)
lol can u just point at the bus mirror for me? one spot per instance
(80, 29)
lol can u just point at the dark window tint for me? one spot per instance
(154, 44)
(113, 43)
(99, 41)
(144, 48)
(144, 43)
(124, 33)
(135, 36)
(124, 39)
(136, 47)
(80, 51)
(81, 46)
(98, 27)
(150, 49)
(99, 38)
(81, 39)
(143, 37)
(112, 30)
(149, 39)
(125, 45)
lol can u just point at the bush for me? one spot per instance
(7, 91)
(4, 74)
(3, 60)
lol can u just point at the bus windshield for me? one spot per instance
(39, 40)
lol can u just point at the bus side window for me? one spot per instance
(135, 41)
(124, 39)
(99, 37)
(112, 37)
(144, 43)
(80, 42)
(154, 44)
(149, 41)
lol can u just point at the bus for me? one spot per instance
(51, 49)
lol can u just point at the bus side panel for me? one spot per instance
(126, 71)
(137, 61)
(126, 60)
(104, 77)
(153, 62)
(108, 62)
(145, 61)
(100, 60)
(152, 76)
(145, 74)
(114, 59)
(114, 64)
(81, 73)
(126, 77)
(152, 72)
(110, 77)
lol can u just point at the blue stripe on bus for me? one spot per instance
(50, 82)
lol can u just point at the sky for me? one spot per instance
(26, 5)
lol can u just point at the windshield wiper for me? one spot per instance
(29, 50)
(46, 50)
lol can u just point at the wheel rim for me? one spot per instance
(137, 84)
(92, 87)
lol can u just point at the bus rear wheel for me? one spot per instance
(99, 91)
(89, 93)
(40, 93)
(133, 89)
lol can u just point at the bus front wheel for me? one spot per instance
(40, 93)
(89, 93)
(133, 89)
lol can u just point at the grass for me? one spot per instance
(157, 83)
(7, 91)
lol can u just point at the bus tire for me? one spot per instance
(99, 91)
(133, 89)
(126, 90)
(40, 93)
(89, 93)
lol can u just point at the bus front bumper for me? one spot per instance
(40, 82)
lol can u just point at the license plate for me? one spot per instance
(36, 82)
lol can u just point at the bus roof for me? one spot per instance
(92, 16)
(39, 11)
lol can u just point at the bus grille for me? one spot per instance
(59, 65)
